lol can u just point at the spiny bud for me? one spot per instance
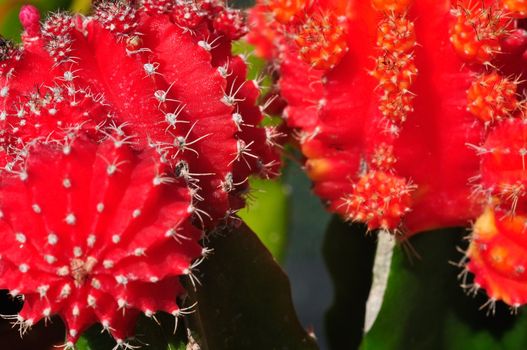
(30, 18)
(378, 199)
(478, 30)
(321, 40)
(492, 97)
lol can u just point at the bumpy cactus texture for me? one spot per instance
(410, 114)
(124, 137)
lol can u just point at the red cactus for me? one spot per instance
(94, 232)
(420, 124)
(122, 135)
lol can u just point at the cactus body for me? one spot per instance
(420, 124)
(94, 232)
(125, 136)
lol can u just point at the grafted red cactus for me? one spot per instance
(94, 232)
(421, 124)
(123, 135)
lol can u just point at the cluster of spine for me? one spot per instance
(321, 40)
(478, 29)
(492, 98)
(394, 70)
(395, 67)
(124, 137)
(319, 36)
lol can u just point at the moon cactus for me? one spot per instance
(411, 117)
(124, 136)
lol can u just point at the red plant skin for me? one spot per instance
(420, 124)
(124, 137)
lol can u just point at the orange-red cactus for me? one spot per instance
(497, 256)
(396, 103)
(421, 123)
(406, 99)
